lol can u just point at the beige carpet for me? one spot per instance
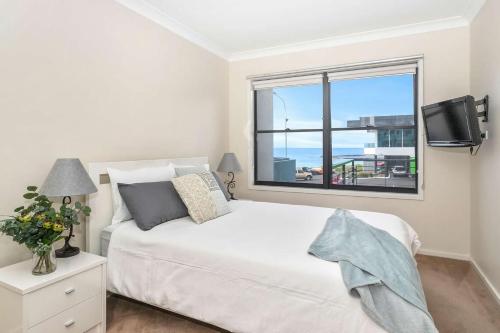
(456, 296)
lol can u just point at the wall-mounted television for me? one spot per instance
(452, 123)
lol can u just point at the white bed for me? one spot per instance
(247, 271)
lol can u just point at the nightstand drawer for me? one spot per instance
(77, 319)
(62, 295)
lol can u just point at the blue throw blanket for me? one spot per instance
(378, 268)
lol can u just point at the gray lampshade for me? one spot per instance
(66, 178)
(229, 163)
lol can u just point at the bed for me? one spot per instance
(247, 271)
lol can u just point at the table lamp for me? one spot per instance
(67, 178)
(229, 163)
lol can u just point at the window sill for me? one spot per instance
(368, 194)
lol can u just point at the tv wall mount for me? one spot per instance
(485, 103)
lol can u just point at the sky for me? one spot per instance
(350, 100)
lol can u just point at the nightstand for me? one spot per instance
(71, 300)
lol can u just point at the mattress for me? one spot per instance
(247, 271)
(106, 237)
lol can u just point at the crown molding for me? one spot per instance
(158, 16)
(473, 9)
(410, 29)
(144, 8)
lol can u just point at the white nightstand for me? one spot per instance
(70, 300)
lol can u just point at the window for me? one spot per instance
(360, 124)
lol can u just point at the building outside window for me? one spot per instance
(354, 130)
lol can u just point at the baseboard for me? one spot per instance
(443, 254)
(486, 281)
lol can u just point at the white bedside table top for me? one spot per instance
(19, 279)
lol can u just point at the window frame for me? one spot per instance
(353, 190)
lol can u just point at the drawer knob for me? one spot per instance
(69, 291)
(69, 323)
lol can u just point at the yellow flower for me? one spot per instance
(47, 225)
(58, 227)
(25, 218)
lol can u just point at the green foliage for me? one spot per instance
(365, 174)
(30, 195)
(38, 225)
(348, 168)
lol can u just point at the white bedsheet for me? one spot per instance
(247, 271)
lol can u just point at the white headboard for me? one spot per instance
(101, 203)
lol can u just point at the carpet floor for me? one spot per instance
(457, 299)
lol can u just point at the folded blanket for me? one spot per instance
(378, 268)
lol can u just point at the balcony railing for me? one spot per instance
(388, 172)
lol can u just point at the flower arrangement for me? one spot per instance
(39, 225)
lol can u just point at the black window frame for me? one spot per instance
(327, 131)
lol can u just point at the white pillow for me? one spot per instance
(144, 175)
(179, 166)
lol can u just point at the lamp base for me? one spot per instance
(67, 251)
(231, 184)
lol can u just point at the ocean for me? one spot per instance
(313, 157)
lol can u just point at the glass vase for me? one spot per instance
(44, 263)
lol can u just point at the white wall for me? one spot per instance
(485, 79)
(91, 79)
(94, 80)
(443, 217)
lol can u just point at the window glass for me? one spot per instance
(396, 137)
(374, 101)
(358, 160)
(409, 137)
(290, 157)
(383, 138)
(296, 107)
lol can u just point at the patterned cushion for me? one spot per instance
(202, 196)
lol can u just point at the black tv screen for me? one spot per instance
(452, 123)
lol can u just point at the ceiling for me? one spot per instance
(237, 29)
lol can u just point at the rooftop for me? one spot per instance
(402, 120)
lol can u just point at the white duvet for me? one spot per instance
(247, 271)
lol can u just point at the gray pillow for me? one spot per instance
(189, 170)
(222, 186)
(151, 204)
